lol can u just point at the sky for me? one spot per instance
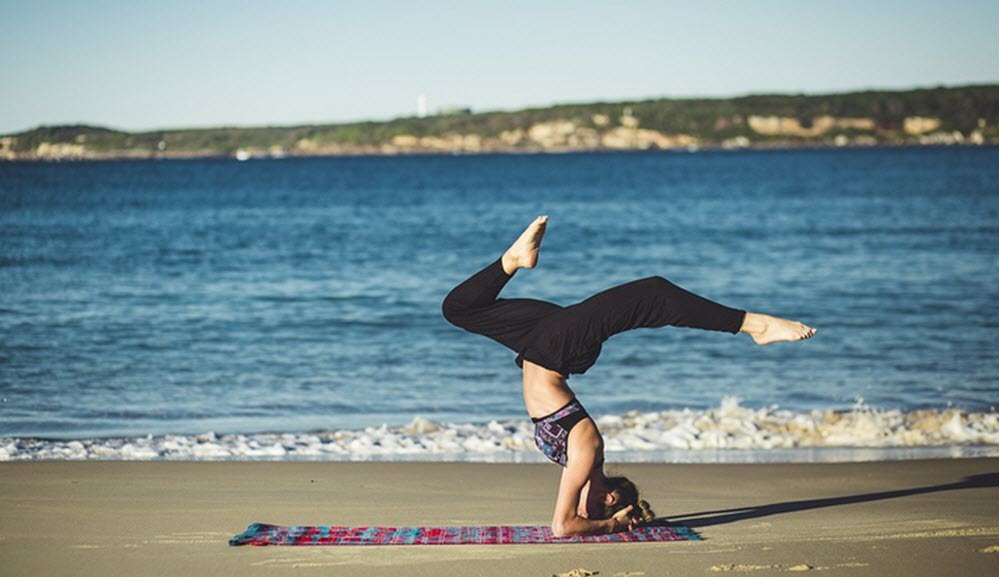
(138, 65)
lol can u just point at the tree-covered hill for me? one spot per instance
(943, 115)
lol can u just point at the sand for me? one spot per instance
(908, 518)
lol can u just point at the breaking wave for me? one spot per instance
(729, 432)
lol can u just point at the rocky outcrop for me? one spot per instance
(818, 126)
(7, 148)
(556, 135)
(920, 124)
(624, 138)
(60, 150)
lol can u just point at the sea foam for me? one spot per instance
(729, 432)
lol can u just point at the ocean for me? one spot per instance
(290, 308)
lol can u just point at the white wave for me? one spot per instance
(634, 436)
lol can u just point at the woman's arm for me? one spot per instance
(567, 522)
(583, 448)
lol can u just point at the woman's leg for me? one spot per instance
(569, 341)
(657, 302)
(474, 306)
(649, 303)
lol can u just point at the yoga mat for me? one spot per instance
(259, 534)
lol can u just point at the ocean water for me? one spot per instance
(250, 308)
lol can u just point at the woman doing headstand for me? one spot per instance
(552, 342)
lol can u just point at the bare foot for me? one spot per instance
(524, 252)
(766, 329)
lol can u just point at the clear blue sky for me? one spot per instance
(177, 63)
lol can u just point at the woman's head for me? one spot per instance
(621, 493)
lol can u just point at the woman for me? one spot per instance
(553, 342)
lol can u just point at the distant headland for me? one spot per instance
(928, 116)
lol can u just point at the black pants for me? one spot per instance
(568, 339)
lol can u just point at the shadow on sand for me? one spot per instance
(722, 516)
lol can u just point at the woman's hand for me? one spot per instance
(623, 520)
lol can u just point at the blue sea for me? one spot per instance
(198, 299)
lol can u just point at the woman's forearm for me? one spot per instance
(580, 526)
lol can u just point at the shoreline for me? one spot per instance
(784, 456)
(920, 115)
(914, 518)
(727, 433)
(365, 153)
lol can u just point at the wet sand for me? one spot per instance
(907, 518)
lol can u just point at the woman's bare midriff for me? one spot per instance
(545, 391)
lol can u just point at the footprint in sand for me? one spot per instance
(730, 567)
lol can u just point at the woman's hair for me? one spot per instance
(628, 494)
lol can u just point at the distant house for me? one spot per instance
(454, 111)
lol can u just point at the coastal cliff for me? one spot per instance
(936, 116)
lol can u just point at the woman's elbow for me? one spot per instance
(567, 529)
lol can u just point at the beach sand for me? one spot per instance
(907, 518)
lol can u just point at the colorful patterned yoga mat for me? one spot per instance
(260, 534)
